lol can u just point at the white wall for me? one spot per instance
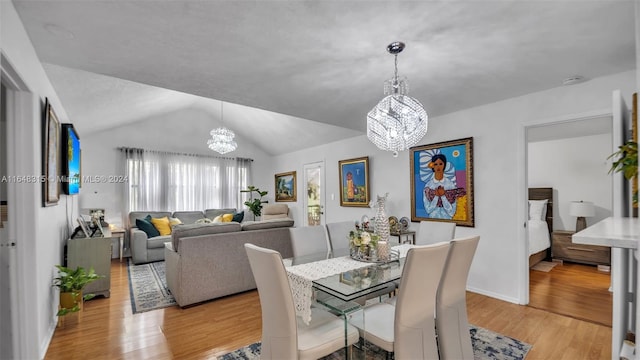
(577, 169)
(185, 131)
(44, 242)
(495, 129)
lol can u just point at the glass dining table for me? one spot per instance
(339, 283)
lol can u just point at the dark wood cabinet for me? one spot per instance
(564, 249)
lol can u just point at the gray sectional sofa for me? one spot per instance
(144, 249)
(209, 261)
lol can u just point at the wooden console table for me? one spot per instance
(622, 235)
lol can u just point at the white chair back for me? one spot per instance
(279, 328)
(452, 326)
(285, 336)
(432, 232)
(339, 234)
(307, 240)
(414, 323)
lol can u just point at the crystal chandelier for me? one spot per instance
(398, 121)
(222, 138)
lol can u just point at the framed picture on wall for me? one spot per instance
(354, 182)
(442, 182)
(286, 186)
(50, 162)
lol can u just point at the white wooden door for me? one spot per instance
(314, 194)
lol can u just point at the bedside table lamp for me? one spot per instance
(581, 209)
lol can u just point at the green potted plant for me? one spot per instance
(255, 205)
(70, 282)
(627, 163)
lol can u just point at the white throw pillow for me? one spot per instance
(538, 209)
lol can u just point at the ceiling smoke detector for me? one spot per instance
(575, 79)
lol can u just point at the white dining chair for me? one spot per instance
(339, 234)
(408, 328)
(432, 232)
(452, 326)
(307, 240)
(284, 335)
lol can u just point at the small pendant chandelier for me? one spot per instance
(222, 138)
(398, 121)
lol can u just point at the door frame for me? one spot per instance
(523, 243)
(20, 106)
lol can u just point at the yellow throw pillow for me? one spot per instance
(227, 217)
(217, 219)
(162, 224)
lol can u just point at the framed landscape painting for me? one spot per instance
(286, 186)
(50, 164)
(442, 182)
(354, 182)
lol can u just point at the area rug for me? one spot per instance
(545, 266)
(486, 345)
(148, 287)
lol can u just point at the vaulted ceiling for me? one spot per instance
(316, 65)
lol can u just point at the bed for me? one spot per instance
(540, 224)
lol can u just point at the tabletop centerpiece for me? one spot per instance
(363, 245)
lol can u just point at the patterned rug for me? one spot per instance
(486, 345)
(148, 287)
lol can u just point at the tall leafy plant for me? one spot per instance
(255, 204)
(627, 163)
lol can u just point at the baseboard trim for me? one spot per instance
(493, 295)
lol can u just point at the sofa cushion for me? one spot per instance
(188, 217)
(238, 217)
(267, 224)
(162, 225)
(142, 214)
(158, 241)
(212, 213)
(181, 231)
(146, 226)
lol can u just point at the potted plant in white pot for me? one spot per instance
(70, 282)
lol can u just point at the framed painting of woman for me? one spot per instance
(442, 182)
(354, 182)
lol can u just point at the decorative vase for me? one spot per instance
(383, 250)
(381, 221)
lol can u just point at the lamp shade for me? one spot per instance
(581, 209)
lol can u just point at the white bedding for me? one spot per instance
(539, 238)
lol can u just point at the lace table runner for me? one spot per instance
(301, 277)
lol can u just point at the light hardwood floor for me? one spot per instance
(106, 328)
(575, 290)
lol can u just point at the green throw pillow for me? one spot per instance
(238, 217)
(146, 226)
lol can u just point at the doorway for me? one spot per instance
(314, 198)
(570, 156)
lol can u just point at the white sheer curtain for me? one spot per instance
(163, 181)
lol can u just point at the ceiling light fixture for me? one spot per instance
(398, 121)
(222, 138)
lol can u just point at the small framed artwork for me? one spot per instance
(354, 182)
(50, 163)
(442, 182)
(83, 226)
(286, 186)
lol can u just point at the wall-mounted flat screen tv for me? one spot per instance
(70, 146)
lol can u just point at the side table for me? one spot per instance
(119, 233)
(408, 234)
